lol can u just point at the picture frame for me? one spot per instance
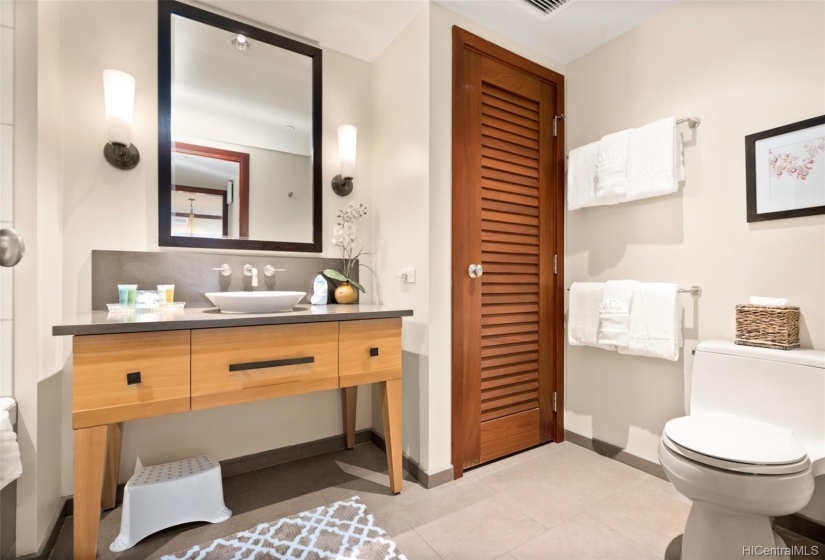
(785, 171)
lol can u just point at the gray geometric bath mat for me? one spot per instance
(341, 531)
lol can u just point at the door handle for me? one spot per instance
(12, 247)
(475, 271)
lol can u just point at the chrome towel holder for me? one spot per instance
(693, 290)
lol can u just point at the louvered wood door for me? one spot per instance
(507, 217)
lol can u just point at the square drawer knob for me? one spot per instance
(133, 378)
(373, 352)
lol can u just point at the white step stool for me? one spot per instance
(170, 494)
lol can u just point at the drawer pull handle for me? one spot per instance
(373, 352)
(133, 378)
(272, 363)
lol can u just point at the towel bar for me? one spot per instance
(693, 290)
(691, 122)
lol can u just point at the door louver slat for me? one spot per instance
(509, 234)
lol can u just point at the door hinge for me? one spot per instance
(555, 264)
(554, 401)
(556, 120)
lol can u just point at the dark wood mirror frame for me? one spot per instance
(166, 9)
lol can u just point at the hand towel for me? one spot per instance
(772, 301)
(614, 312)
(581, 178)
(10, 466)
(583, 318)
(611, 165)
(655, 329)
(654, 160)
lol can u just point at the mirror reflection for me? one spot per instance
(241, 137)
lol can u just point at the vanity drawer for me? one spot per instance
(119, 377)
(239, 364)
(369, 351)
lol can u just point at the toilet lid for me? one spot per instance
(736, 439)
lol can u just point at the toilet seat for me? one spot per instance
(736, 444)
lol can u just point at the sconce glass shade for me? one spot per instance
(119, 99)
(347, 136)
(119, 91)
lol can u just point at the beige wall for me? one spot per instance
(441, 22)
(105, 208)
(400, 86)
(741, 68)
(37, 300)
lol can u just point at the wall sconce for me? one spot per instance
(119, 96)
(347, 135)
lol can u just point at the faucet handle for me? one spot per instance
(270, 270)
(225, 269)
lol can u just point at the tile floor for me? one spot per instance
(558, 501)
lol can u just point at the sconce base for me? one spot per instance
(120, 156)
(342, 186)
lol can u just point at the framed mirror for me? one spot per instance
(239, 126)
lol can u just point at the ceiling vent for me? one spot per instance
(546, 7)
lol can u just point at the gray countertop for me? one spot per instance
(99, 322)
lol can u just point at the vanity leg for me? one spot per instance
(89, 460)
(115, 435)
(349, 398)
(391, 406)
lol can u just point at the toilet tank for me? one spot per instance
(782, 387)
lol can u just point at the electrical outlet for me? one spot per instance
(408, 275)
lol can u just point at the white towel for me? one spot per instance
(581, 178)
(771, 301)
(614, 312)
(583, 317)
(611, 165)
(655, 329)
(10, 466)
(654, 160)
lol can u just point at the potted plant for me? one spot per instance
(345, 237)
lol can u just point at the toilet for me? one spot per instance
(751, 448)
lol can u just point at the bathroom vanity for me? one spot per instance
(130, 368)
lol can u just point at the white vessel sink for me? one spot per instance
(255, 302)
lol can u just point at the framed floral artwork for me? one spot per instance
(785, 171)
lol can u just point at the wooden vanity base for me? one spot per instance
(349, 400)
(391, 410)
(89, 461)
(120, 377)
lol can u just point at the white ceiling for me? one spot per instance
(359, 28)
(364, 28)
(205, 172)
(574, 30)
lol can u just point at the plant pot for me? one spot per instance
(345, 293)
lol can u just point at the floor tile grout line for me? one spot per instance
(617, 530)
(505, 552)
(620, 532)
(587, 512)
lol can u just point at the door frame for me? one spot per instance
(463, 41)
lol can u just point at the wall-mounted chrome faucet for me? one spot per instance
(225, 269)
(270, 270)
(249, 270)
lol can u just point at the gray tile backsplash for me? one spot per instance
(192, 274)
